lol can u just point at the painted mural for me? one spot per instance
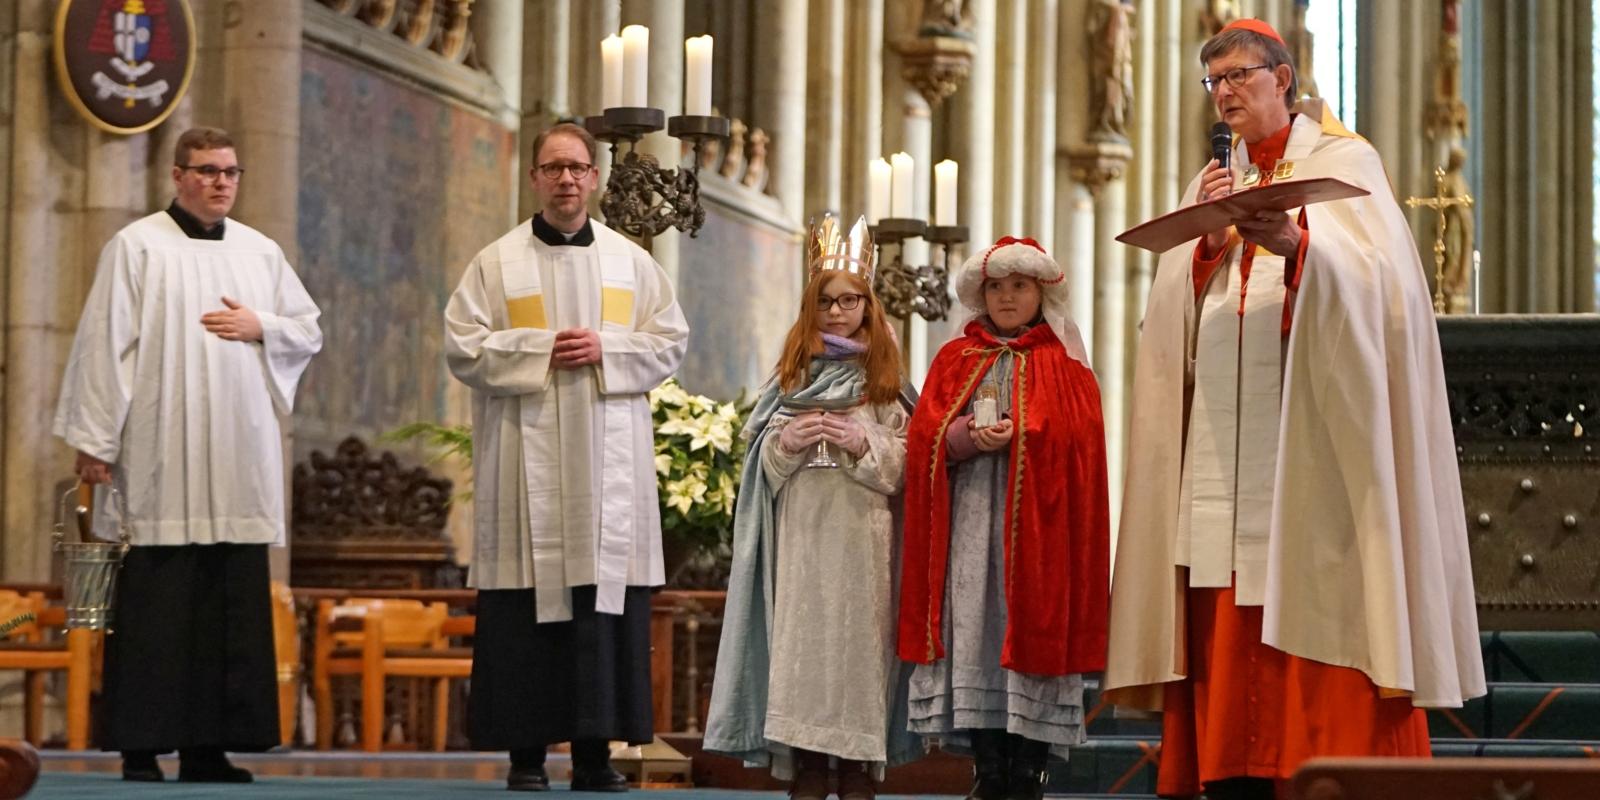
(399, 188)
(738, 282)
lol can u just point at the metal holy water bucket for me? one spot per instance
(89, 580)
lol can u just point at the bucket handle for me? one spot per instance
(80, 511)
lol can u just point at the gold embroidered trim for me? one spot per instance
(1014, 509)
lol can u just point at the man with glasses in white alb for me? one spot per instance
(190, 348)
(561, 328)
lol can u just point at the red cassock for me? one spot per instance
(1250, 710)
(1057, 527)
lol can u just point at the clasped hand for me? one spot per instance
(575, 347)
(842, 430)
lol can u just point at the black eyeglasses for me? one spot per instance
(845, 302)
(212, 172)
(1235, 77)
(552, 172)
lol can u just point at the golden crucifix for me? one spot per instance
(1440, 203)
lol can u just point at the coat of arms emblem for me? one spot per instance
(124, 64)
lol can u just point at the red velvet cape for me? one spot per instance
(1057, 528)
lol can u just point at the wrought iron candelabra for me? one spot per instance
(921, 289)
(643, 198)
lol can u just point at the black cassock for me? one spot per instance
(190, 661)
(535, 684)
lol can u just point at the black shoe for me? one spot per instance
(598, 779)
(1027, 774)
(209, 766)
(142, 767)
(989, 765)
(528, 779)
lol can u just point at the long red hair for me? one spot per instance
(804, 342)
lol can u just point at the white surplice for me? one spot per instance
(564, 475)
(188, 420)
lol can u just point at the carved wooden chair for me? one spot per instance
(376, 639)
(27, 648)
(362, 520)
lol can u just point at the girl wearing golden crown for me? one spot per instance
(806, 673)
(1003, 603)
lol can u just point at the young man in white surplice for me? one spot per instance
(190, 347)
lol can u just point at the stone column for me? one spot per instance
(69, 187)
(1011, 100)
(1143, 168)
(864, 117)
(973, 130)
(1400, 39)
(1196, 112)
(548, 46)
(1097, 157)
(780, 99)
(589, 23)
(1074, 231)
(41, 306)
(497, 30)
(497, 33)
(261, 62)
(664, 18)
(824, 106)
(1174, 67)
(1534, 145)
(1039, 123)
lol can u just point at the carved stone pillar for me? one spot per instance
(1039, 125)
(824, 106)
(1534, 144)
(973, 131)
(780, 100)
(261, 108)
(590, 23)
(1097, 159)
(1100, 166)
(864, 118)
(1010, 133)
(545, 92)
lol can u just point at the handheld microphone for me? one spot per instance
(1222, 144)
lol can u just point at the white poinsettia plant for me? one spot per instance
(698, 453)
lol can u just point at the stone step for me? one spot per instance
(1124, 766)
(1542, 656)
(1514, 711)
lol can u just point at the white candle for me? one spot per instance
(697, 76)
(944, 192)
(904, 186)
(915, 252)
(878, 173)
(635, 66)
(611, 72)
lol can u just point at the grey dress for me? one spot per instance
(968, 688)
(832, 678)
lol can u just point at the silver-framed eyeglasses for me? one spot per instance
(1235, 77)
(211, 172)
(552, 172)
(845, 302)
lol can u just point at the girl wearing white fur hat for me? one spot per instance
(1006, 555)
